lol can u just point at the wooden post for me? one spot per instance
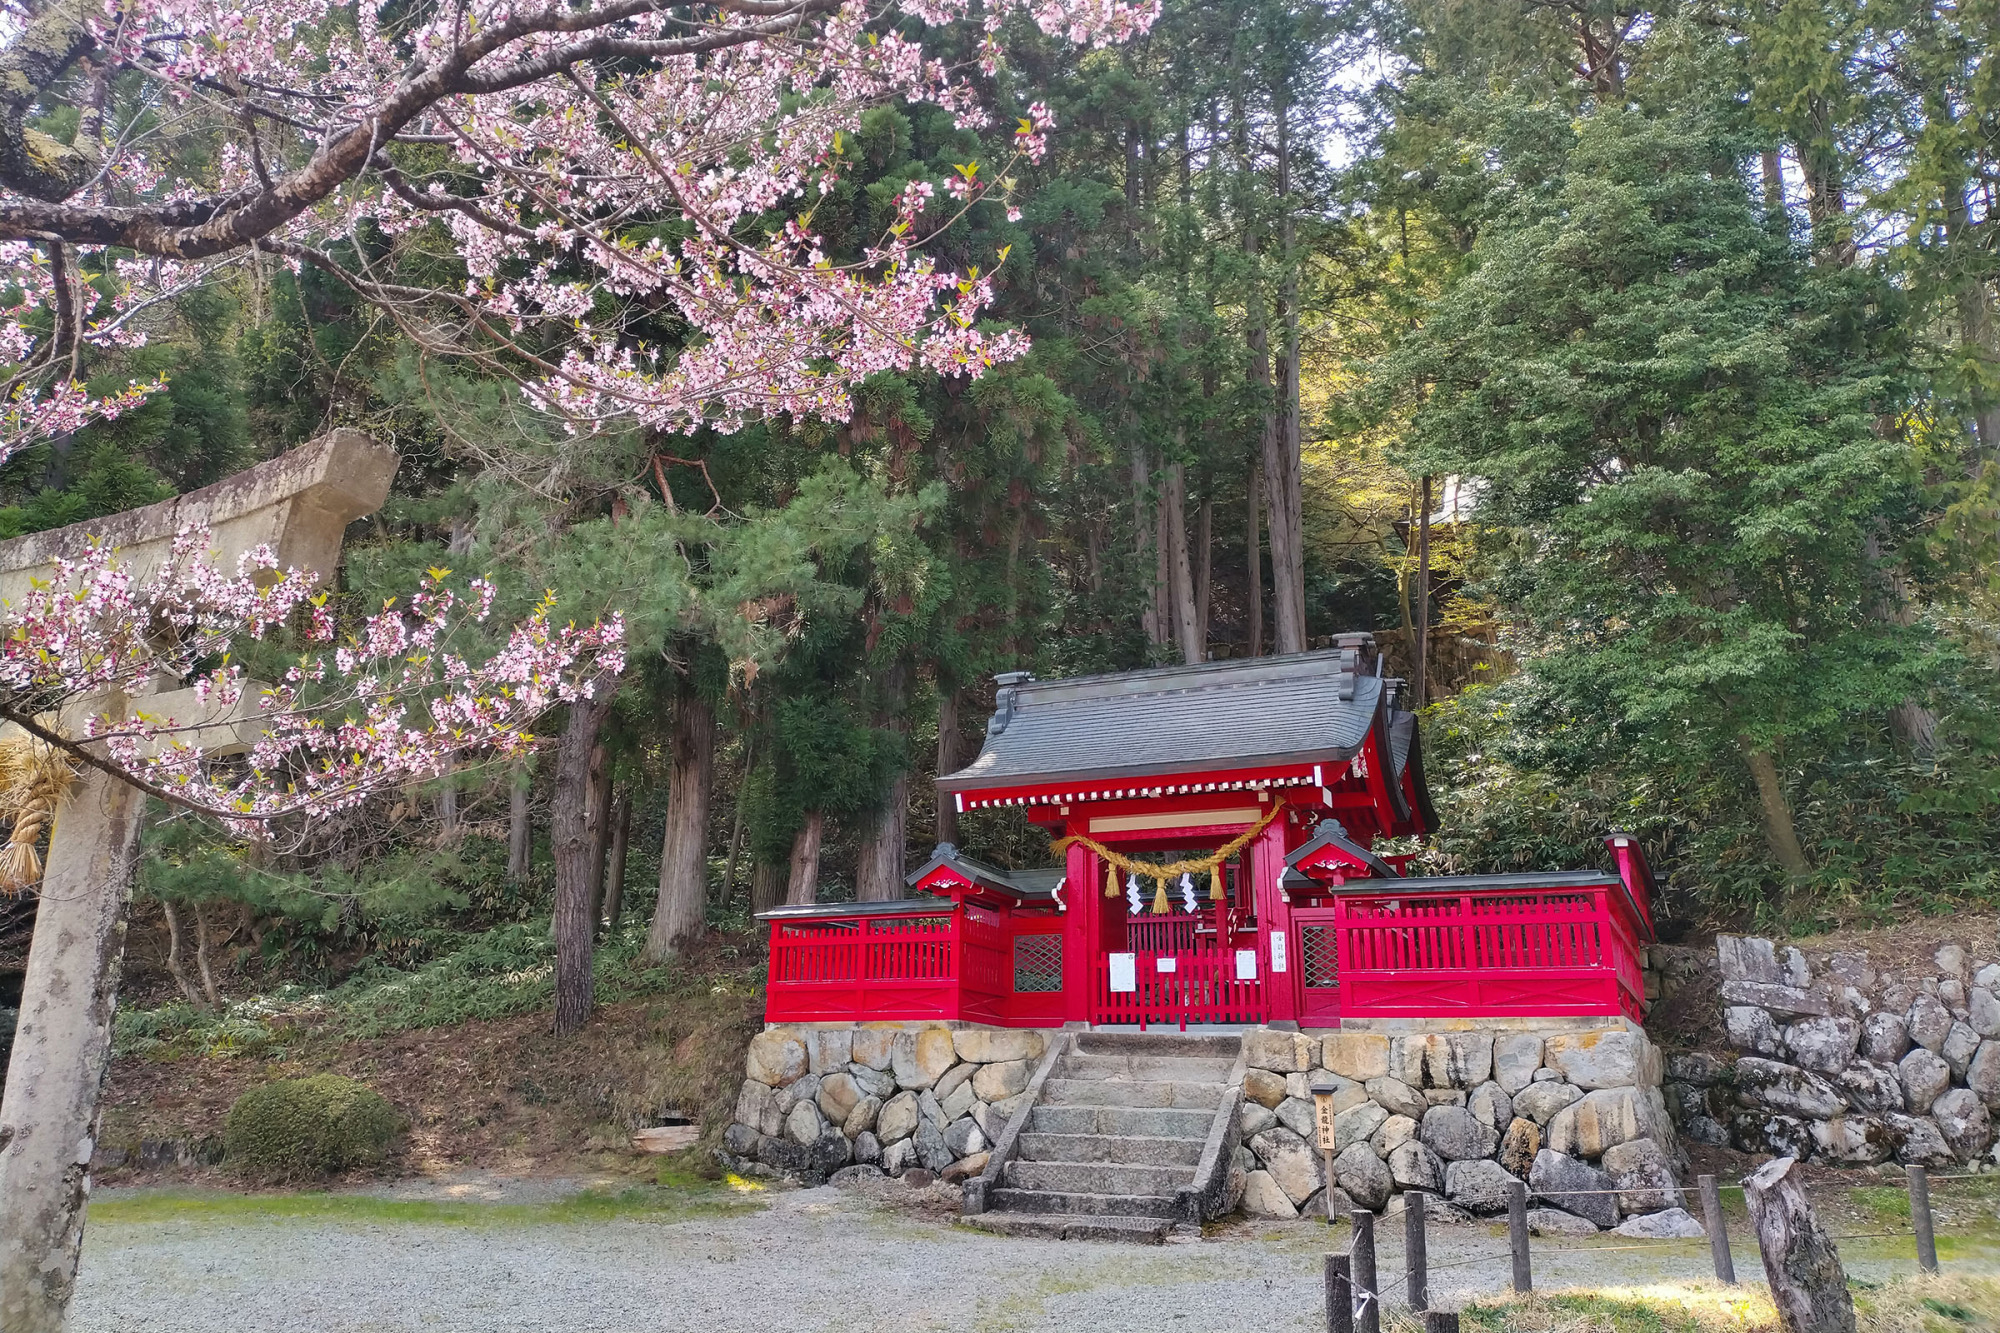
(1361, 1258)
(1339, 1296)
(1440, 1321)
(1326, 1155)
(1718, 1233)
(1416, 1278)
(1808, 1285)
(1517, 1237)
(1920, 1219)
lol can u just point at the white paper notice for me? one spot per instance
(1246, 964)
(1124, 972)
(1164, 964)
(1277, 951)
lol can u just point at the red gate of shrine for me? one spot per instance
(1216, 825)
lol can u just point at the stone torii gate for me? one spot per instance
(300, 505)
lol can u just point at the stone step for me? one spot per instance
(1171, 1044)
(1096, 1177)
(1121, 1121)
(1101, 1092)
(1063, 1226)
(1129, 1149)
(1146, 1068)
(1093, 1205)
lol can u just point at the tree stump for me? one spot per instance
(1808, 1285)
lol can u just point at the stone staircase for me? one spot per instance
(1112, 1145)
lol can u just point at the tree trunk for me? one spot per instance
(576, 992)
(598, 819)
(947, 762)
(1204, 539)
(878, 871)
(802, 885)
(174, 968)
(1778, 832)
(680, 915)
(1283, 466)
(1774, 183)
(767, 887)
(735, 861)
(208, 986)
(49, 1110)
(1423, 594)
(1180, 568)
(1254, 545)
(1145, 533)
(614, 870)
(1808, 1285)
(520, 833)
(447, 808)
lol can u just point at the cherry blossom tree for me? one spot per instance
(579, 161)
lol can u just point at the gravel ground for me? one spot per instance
(797, 1260)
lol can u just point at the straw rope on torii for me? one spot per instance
(34, 777)
(1209, 863)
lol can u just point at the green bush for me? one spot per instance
(299, 1128)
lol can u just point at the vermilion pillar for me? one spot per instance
(1082, 887)
(1275, 943)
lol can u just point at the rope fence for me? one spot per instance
(1354, 1296)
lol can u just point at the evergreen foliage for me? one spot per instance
(305, 1128)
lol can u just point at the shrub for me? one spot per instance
(299, 1128)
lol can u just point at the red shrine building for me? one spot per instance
(1271, 793)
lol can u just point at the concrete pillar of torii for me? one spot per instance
(300, 505)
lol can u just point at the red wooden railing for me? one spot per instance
(948, 962)
(1201, 987)
(1514, 952)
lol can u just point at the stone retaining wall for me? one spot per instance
(1462, 1115)
(820, 1098)
(1846, 1063)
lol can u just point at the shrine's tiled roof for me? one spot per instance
(1304, 708)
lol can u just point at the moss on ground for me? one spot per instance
(1948, 1303)
(590, 1206)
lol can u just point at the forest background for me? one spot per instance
(1631, 372)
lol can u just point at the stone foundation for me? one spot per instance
(821, 1098)
(1462, 1110)
(1845, 1063)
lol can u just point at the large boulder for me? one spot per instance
(805, 1124)
(839, 1094)
(879, 1083)
(992, 1046)
(1778, 1135)
(1786, 1088)
(1696, 1068)
(932, 1153)
(1823, 1045)
(1291, 1162)
(1960, 1045)
(1575, 1187)
(1983, 1074)
(1643, 1174)
(1264, 1197)
(1604, 1059)
(1963, 1121)
(1297, 1115)
(1362, 1174)
(829, 1049)
(1458, 1059)
(1481, 1186)
(1519, 1145)
(1869, 1086)
(1540, 1101)
(995, 1082)
(1356, 1055)
(753, 1100)
(1516, 1057)
(1671, 1224)
(1280, 1052)
(781, 1154)
(740, 1140)
(1885, 1036)
(1752, 1029)
(1602, 1119)
(1747, 958)
(1453, 1134)
(964, 1138)
(1406, 1059)
(1852, 1140)
(1415, 1167)
(802, 1090)
(1920, 1141)
(1357, 1124)
(1264, 1087)
(898, 1118)
(1397, 1097)
(874, 1048)
(1556, 1222)
(961, 1099)
(921, 1058)
(1924, 1076)
(953, 1079)
(1929, 1022)
(777, 1057)
(1392, 1134)
(1254, 1118)
(827, 1154)
(1491, 1106)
